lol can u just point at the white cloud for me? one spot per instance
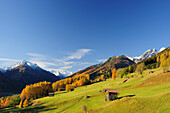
(44, 64)
(63, 62)
(7, 59)
(65, 67)
(102, 60)
(47, 62)
(5, 62)
(36, 56)
(78, 54)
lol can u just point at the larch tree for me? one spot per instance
(25, 103)
(114, 73)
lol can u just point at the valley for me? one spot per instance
(136, 95)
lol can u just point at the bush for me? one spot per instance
(84, 108)
(14, 100)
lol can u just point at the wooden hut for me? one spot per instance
(111, 94)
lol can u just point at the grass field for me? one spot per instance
(149, 93)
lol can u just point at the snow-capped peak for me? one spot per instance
(146, 54)
(22, 62)
(161, 49)
(61, 73)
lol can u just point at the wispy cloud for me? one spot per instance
(7, 59)
(36, 56)
(5, 62)
(65, 63)
(69, 62)
(102, 60)
(78, 54)
(44, 64)
(65, 67)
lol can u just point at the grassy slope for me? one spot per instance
(148, 94)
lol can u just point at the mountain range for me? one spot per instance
(145, 55)
(60, 73)
(15, 77)
(63, 73)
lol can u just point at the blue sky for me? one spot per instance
(73, 34)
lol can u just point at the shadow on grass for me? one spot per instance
(126, 96)
(30, 109)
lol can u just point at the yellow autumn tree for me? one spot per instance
(25, 103)
(102, 77)
(140, 68)
(114, 73)
(20, 104)
(6, 102)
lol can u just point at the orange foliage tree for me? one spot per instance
(114, 73)
(36, 90)
(70, 83)
(25, 103)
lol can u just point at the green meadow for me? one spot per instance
(149, 93)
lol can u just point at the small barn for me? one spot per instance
(50, 94)
(111, 94)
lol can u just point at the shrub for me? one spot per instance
(84, 108)
(14, 100)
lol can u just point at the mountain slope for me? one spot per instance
(154, 97)
(27, 73)
(103, 68)
(7, 85)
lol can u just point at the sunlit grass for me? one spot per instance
(149, 93)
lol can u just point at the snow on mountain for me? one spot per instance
(145, 55)
(2, 70)
(161, 49)
(61, 73)
(22, 62)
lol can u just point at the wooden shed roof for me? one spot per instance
(112, 90)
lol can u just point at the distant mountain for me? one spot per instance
(61, 73)
(22, 62)
(25, 72)
(147, 54)
(97, 70)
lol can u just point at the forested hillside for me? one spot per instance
(105, 68)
